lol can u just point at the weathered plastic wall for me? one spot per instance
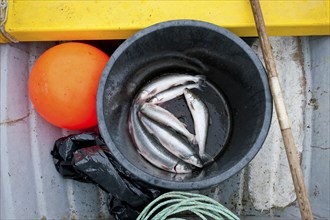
(32, 189)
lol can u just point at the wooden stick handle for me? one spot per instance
(275, 87)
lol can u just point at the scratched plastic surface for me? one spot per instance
(32, 189)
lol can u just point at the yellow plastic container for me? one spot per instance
(37, 20)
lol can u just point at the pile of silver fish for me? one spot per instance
(159, 136)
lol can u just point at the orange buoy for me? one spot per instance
(63, 84)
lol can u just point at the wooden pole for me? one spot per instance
(275, 87)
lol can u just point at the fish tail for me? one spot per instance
(201, 77)
(201, 80)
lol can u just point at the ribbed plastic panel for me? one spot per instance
(31, 188)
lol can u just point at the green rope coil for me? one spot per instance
(173, 203)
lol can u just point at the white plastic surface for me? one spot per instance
(31, 188)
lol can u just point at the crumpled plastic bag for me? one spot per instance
(85, 158)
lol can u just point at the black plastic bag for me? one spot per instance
(85, 157)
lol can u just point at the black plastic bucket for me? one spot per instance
(237, 94)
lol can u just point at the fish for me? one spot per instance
(151, 149)
(166, 118)
(165, 82)
(200, 117)
(172, 142)
(171, 93)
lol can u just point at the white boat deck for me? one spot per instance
(31, 188)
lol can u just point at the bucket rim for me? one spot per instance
(184, 185)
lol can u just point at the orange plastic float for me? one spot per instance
(63, 84)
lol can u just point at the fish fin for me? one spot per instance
(166, 168)
(193, 140)
(201, 78)
(139, 151)
(206, 158)
(140, 114)
(202, 81)
(191, 106)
